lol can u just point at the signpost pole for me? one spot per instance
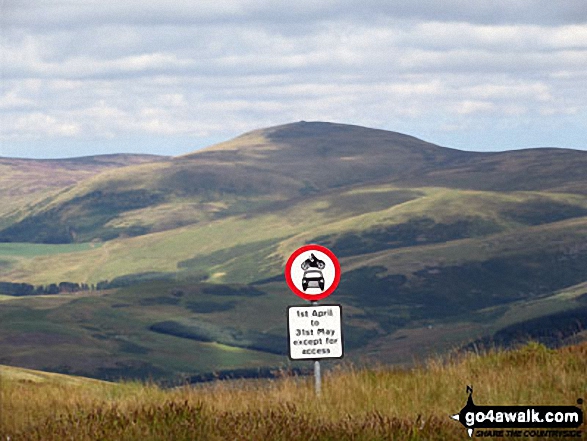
(317, 378)
(317, 373)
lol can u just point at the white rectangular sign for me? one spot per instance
(314, 332)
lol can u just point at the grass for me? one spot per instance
(437, 307)
(255, 170)
(264, 240)
(356, 404)
(29, 184)
(263, 186)
(29, 250)
(106, 334)
(526, 310)
(442, 278)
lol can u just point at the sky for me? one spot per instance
(95, 77)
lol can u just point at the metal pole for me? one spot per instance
(317, 378)
(317, 374)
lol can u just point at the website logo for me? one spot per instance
(520, 421)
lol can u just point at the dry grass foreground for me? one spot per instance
(356, 404)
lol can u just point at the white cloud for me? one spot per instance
(468, 107)
(44, 125)
(106, 70)
(13, 100)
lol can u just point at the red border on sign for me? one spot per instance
(302, 294)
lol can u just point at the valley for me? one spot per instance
(183, 257)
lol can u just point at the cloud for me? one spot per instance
(107, 70)
(45, 125)
(64, 14)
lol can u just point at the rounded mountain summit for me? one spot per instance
(267, 168)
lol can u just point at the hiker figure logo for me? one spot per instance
(499, 421)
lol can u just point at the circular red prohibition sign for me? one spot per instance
(288, 272)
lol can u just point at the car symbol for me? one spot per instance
(313, 277)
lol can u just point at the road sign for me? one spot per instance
(312, 272)
(314, 332)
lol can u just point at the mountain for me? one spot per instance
(27, 184)
(248, 172)
(438, 248)
(334, 155)
(273, 165)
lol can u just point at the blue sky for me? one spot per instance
(90, 77)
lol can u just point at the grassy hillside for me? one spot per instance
(279, 164)
(28, 185)
(546, 169)
(439, 248)
(360, 221)
(12, 375)
(356, 404)
(108, 334)
(400, 302)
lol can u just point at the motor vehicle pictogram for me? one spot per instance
(313, 278)
(312, 272)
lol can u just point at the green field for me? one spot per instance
(29, 250)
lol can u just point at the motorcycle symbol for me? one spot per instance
(312, 272)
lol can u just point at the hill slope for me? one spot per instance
(28, 184)
(438, 247)
(277, 165)
(334, 155)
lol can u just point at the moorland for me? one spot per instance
(379, 403)
(135, 266)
